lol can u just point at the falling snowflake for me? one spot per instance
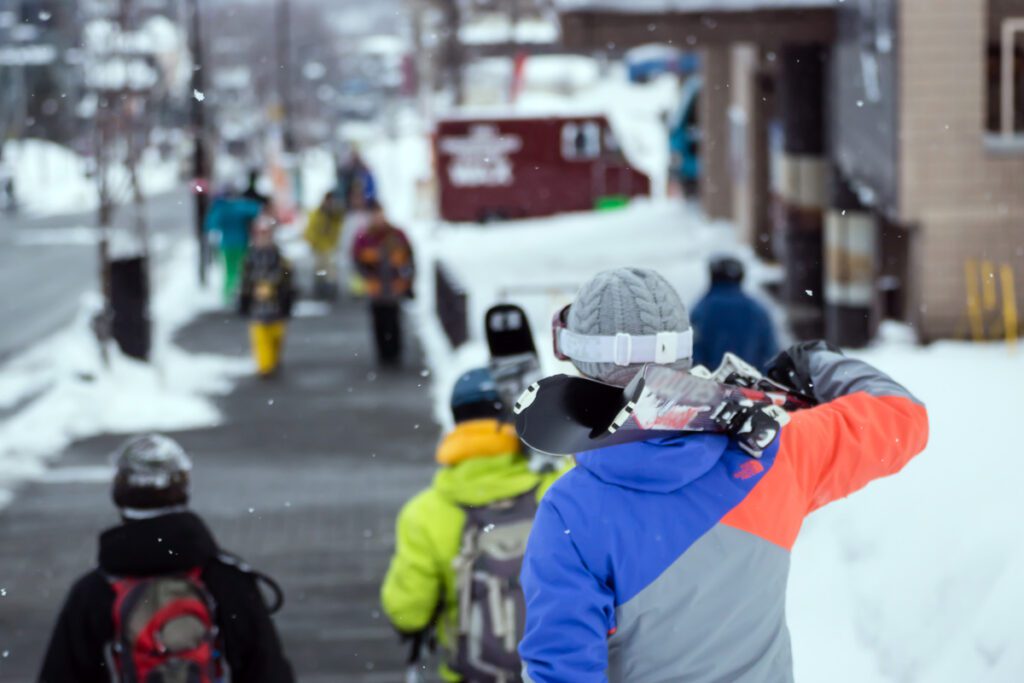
(198, 95)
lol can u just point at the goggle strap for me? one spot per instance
(626, 349)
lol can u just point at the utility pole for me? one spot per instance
(285, 72)
(200, 162)
(120, 131)
(453, 56)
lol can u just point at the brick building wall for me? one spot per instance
(715, 179)
(965, 198)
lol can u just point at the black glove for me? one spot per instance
(792, 367)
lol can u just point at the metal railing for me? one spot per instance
(450, 301)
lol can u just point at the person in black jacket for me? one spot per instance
(266, 296)
(160, 536)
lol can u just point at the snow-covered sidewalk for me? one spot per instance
(39, 167)
(59, 391)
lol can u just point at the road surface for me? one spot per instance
(46, 264)
(304, 479)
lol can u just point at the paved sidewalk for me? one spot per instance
(303, 480)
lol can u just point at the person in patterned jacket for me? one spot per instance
(384, 258)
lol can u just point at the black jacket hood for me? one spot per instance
(169, 543)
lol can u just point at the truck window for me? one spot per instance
(581, 141)
(612, 150)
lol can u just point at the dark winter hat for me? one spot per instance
(726, 269)
(152, 473)
(627, 317)
(475, 396)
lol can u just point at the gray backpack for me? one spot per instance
(491, 605)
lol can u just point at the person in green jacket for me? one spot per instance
(482, 470)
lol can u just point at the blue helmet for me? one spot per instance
(475, 396)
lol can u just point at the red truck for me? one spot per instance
(508, 167)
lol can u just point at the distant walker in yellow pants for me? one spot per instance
(267, 341)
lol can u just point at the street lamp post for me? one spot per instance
(284, 71)
(199, 158)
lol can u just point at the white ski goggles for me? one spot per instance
(621, 349)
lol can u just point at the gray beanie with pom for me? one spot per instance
(635, 301)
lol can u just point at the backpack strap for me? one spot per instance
(232, 560)
(523, 503)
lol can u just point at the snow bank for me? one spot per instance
(916, 578)
(59, 391)
(40, 166)
(539, 264)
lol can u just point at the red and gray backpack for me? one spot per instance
(492, 610)
(164, 630)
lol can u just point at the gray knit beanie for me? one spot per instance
(636, 301)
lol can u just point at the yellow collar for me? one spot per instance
(477, 439)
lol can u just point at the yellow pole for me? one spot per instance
(1010, 318)
(988, 285)
(973, 305)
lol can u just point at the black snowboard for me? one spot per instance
(508, 331)
(564, 415)
(514, 362)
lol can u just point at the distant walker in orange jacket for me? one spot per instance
(384, 258)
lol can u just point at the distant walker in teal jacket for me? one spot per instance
(231, 217)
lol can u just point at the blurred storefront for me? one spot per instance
(876, 148)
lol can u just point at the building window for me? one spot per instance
(1005, 68)
(581, 141)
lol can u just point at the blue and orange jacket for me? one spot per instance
(667, 560)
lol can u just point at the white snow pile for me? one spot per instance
(539, 264)
(917, 578)
(59, 391)
(39, 167)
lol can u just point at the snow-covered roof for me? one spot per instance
(496, 29)
(682, 6)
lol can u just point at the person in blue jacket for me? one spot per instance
(728, 319)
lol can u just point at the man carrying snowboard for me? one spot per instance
(165, 603)
(667, 559)
(459, 543)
